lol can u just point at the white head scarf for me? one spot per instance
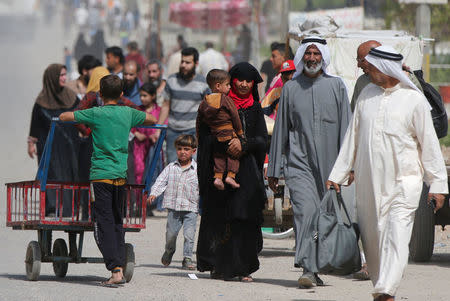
(321, 44)
(389, 62)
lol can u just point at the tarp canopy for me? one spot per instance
(343, 45)
(210, 15)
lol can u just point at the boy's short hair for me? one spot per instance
(216, 76)
(186, 140)
(111, 87)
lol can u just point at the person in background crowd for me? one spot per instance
(131, 82)
(135, 55)
(81, 48)
(174, 56)
(183, 94)
(179, 183)
(390, 148)
(279, 55)
(155, 76)
(115, 60)
(306, 141)
(98, 45)
(211, 59)
(364, 79)
(85, 67)
(270, 102)
(143, 142)
(54, 99)
(230, 230)
(267, 71)
(360, 84)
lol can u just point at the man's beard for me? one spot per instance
(314, 69)
(188, 75)
(128, 85)
(156, 82)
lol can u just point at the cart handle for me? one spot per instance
(42, 172)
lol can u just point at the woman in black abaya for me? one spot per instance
(230, 229)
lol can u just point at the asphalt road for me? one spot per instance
(25, 53)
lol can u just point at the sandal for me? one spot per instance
(246, 279)
(111, 283)
(187, 264)
(362, 274)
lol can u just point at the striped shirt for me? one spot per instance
(185, 97)
(180, 187)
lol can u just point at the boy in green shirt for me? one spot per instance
(111, 125)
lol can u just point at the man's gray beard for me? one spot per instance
(313, 70)
(156, 82)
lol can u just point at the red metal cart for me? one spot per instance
(26, 211)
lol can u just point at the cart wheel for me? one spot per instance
(33, 260)
(60, 249)
(280, 235)
(128, 269)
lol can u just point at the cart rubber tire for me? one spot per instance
(60, 249)
(278, 208)
(422, 238)
(281, 235)
(33, 261)
(128, 269)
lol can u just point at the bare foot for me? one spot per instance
(230, 181)
(219, 184)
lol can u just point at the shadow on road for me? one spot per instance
(84, 280)
(438, 259)
(276, 252)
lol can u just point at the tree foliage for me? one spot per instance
(404, 17)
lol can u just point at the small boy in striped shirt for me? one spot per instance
(179, 183)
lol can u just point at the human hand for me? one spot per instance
(140, 136)
(235, 147)
(351, 178)
(32, 149)
(336, 187)
(273, 184)
(81, 135)
(439, 198)
(153, 138)
(151, 199)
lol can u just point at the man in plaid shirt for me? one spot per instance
(179, 183)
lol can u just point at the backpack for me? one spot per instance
(438, 112)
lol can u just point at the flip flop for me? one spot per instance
(110, 285)
(246, 279)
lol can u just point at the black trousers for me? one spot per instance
(108, 223)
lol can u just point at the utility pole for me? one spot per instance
(423, 30)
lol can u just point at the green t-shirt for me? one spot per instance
(110, 125)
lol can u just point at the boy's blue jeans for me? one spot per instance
(176, 219)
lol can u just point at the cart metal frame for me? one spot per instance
(26, 211)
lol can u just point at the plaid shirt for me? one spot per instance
(180, 187)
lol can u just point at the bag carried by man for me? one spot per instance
(333, 247)
(438, 112)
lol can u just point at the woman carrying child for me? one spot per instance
(230, 229)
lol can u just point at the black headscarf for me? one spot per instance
(246, 71)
